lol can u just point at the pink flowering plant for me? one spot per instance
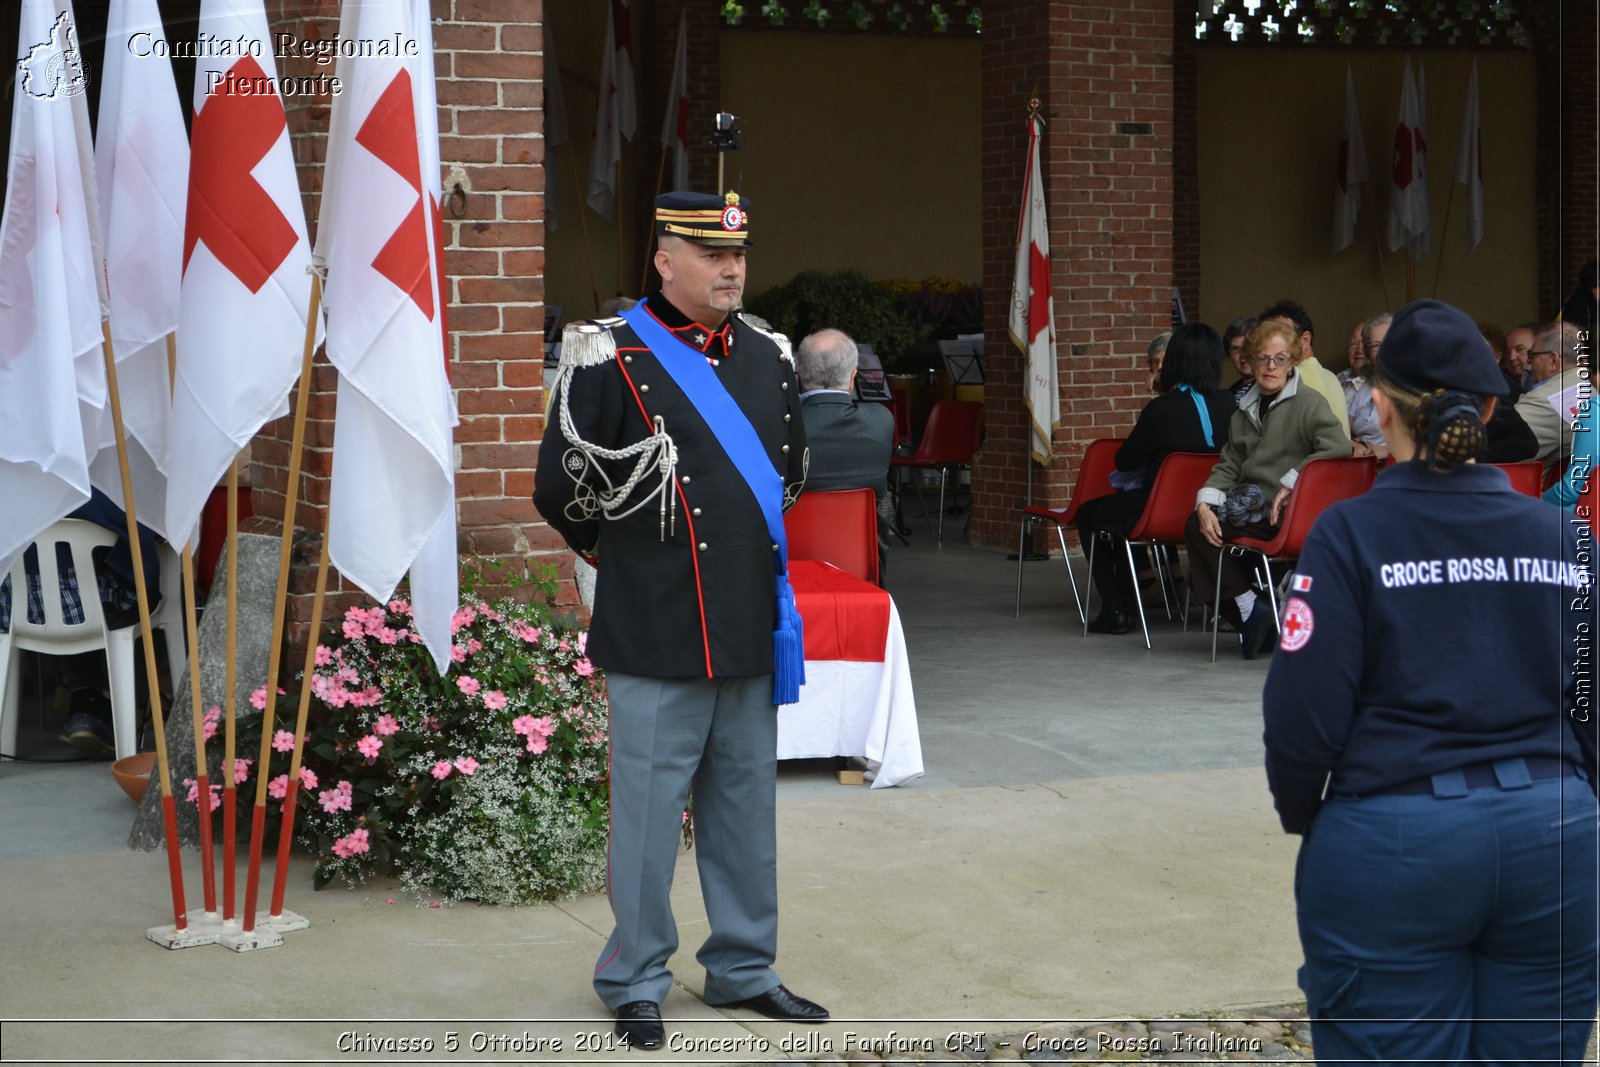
(486, 783)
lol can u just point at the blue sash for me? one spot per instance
(731, 427)
(1205, 414)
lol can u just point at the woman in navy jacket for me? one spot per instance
(1427, 733)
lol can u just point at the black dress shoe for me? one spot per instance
(779, 1003)
(1111, 622)
(639, 1024)
(1257, 630)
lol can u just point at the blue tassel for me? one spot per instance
(788, 648)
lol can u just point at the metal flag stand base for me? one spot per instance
(203, 929)
(208, 928)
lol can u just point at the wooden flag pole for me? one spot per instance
(169, 811)
(208, 871)
(1438, 268)
(620, 217)
(280, 872)
(583, 222)
(291, 494)
(229, 793)
(1377, 248)
(661, 173)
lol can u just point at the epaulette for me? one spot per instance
(761, 325)
(589, 344)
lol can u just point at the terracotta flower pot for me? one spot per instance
(133, 773)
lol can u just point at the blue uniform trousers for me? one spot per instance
(721, 735)
(1460, 908)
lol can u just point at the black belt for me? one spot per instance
(1539, 768)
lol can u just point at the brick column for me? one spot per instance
(1567, 158)
(1103, 71)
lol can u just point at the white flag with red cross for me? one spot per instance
(142, 165)
(1352, 174)
(246, 287)
(51, 284)
(393, 505)
(1469, 161)
(675, 123)
(1033, 316)
(616, 114)
(1408, 193)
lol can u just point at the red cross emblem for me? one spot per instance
(228, 209)
(1297, 625)
(390, 133)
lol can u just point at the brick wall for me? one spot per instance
(489, 65)
(1185, 159)
(1103, 70)
(1567, 51)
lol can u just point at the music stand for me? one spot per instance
(964, 361)
(871, 385)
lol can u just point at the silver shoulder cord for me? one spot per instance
(656, 452)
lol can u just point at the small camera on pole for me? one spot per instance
(724, 139)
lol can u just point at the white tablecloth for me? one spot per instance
(858, 709)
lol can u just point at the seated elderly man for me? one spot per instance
(1280, 427)
(850, 442)
(1365, 343)
(1550, 406)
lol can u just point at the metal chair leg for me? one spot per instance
(1022, 539)
(1138, 597)
(1216, 608)
(1083, 612)
(944, 474)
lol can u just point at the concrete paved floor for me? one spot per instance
(1093, 839)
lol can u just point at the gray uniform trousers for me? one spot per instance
(722, 735)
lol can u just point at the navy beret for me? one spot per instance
(705, 218)
(1432, 345)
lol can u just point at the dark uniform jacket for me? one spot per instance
(1436, 622)
(697, 599)
(851, 445)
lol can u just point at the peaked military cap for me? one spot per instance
(705, 218)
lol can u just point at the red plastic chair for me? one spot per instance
(840, 527)
(1525, 476)
(1322, 482)
(1094, 480)
(951, 439)
(1162, 522)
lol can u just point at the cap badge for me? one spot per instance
(733, 218)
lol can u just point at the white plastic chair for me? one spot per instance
(56, 637)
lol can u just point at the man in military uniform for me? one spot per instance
(647, 471)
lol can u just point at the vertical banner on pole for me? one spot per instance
(49, 301)
(1032, 323)
(245, 253)
(142, 168)
(675, 122)
(616, 115)
(1408, 192)
(1469, 161)
(1352, 173)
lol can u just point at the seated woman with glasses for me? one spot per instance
(1277, 430)
(1190, 414)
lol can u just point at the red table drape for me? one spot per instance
(845, 617)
